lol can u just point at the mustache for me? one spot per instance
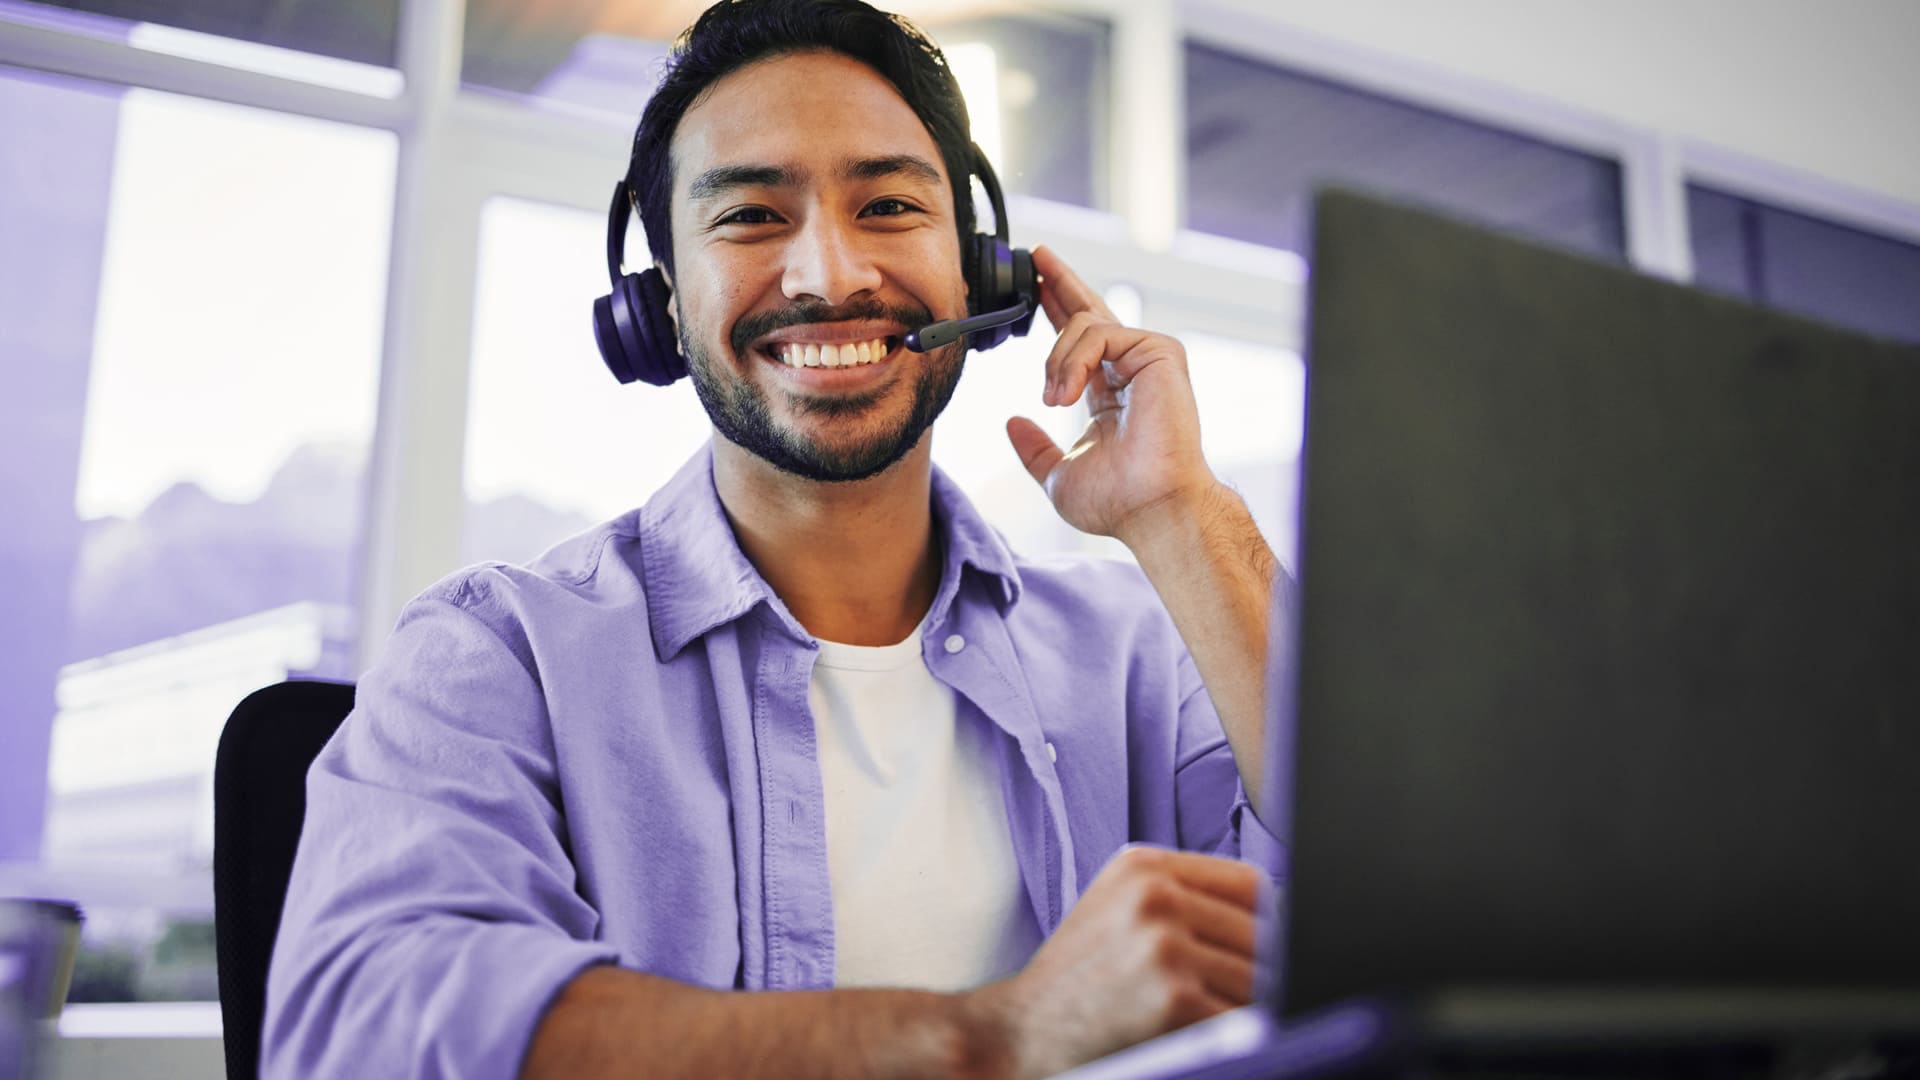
(750, 327)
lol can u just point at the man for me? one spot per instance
(802, 726)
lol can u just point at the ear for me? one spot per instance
(673, 299)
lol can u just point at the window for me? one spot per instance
(1802, 264)
(350, 46)
(554, 444)
(1252, 402)
(1260, 139)
(192, 311)
(1036, 89)
(1035, 84)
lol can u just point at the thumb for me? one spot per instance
(1036, 449)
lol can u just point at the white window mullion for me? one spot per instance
(414, 498)
(78, 56)
(1147, 122)
(1654, 189)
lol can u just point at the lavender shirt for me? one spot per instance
(607, 757)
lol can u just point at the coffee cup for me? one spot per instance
(41, 939)
(65, 918)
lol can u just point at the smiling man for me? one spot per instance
(797, 769)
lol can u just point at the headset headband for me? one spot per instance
(617, 215)
(983, 169)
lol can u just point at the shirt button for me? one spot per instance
(955, 643)
(1052, 754)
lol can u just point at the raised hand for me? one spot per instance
(1140, 453)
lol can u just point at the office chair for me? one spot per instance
(259, 802)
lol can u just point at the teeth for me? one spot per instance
(831, 355)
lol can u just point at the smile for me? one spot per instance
(832, 355)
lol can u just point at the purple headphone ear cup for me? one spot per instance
(612, 331)
(983, 290)
(980, 284)
(1026, 286)
(657, 330)
(1002, 277)
(646, 367)
(635, 333)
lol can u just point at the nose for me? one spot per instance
(827, 261)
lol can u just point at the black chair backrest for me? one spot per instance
(259, 802)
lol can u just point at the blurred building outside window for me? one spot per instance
(1800, 263)
(554, 444)
(192, 312)
(1252, 402)
(1260, 138)
(1035, 82)
(346, 46)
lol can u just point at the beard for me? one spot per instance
(741, 412)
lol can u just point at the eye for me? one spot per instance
(892, 208)
(748, 215)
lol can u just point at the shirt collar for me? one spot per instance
(697, 578)
(970, 543)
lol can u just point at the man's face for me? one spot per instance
(813, 222)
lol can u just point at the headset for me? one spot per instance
(636, 334)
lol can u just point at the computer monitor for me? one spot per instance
(1608, 669)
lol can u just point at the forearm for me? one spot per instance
(612, 1022)
(1215, 574)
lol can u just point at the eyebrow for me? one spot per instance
(722, 179)
(874, 168)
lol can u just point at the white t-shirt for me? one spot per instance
(926, 892)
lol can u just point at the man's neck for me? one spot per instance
(854, 562)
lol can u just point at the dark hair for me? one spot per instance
(734, 33)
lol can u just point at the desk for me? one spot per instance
(154, 1041)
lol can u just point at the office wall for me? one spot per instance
(1824, 88)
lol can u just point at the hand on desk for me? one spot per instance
(1159, 940)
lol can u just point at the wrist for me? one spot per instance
(1175, 521)
(988, 1042)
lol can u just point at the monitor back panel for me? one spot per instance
(1609, 661)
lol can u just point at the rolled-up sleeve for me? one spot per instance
(432, 915)
(1206, 770)
(1208, 781)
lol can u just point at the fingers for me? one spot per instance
(1089, 334)
(1229, 880)
(1062, 293)
(1037, 450)
(1068, 358)
(1199, 1003)
(1220, 941)
(1201, 909)
(1088, 341)
(1226, 974)
(1219, 923)
(1196, 979)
